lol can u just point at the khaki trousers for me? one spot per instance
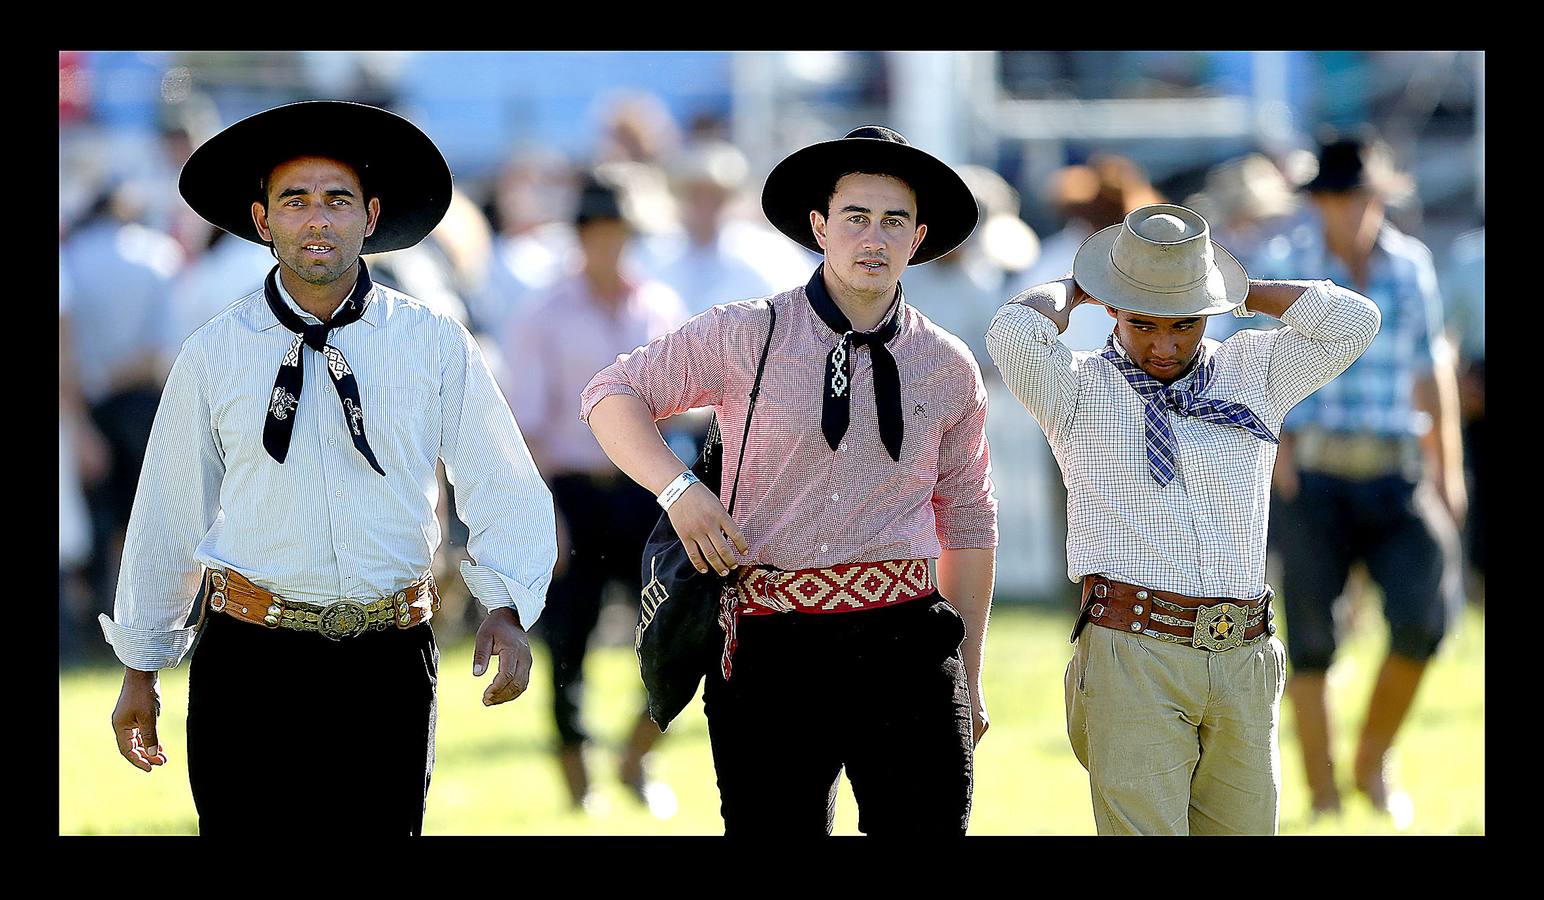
(1177, 740)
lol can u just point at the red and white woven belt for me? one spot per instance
(764, 592)
(838, 589)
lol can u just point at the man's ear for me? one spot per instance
(818, 225)
(917, 241)
(373, 208)
(260, 219)
(1111, 311)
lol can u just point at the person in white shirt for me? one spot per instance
(1166, 442)
(308, 516)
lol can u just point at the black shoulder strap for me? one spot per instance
(755, 392)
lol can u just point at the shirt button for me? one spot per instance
(843, 446)
(836, 496)
(343, 546)
(332, 442)
(337, 493)
(823, 548)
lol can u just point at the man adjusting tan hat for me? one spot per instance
(1161, 261)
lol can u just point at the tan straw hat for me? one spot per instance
(1160, 261)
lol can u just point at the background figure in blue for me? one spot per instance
(1370, 469)
(121, 274)
(1463, 291)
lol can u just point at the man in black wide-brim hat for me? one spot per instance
(305, 519)
(866, 458)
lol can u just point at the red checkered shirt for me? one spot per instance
(801, 504)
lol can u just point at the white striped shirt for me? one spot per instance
(324, 526)
(1203, 534)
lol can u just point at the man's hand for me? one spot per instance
(139, 702)
(501, 633)
(706, 531)
(1454, 494)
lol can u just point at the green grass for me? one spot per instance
(495, 774)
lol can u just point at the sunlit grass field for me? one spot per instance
(495, 774)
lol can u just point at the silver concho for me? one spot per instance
(355, 415)
(282, 404)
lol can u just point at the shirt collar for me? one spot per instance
(816, 291)
(372, 313)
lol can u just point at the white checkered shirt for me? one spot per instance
(801, 504)
(1203, 534)
(324, 526)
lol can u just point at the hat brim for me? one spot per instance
(800, 184)
(396, 161)
(1226, 286)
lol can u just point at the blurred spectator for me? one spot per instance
(83, 460)
(228, 269)
(703, 264)
(961, 290)
(1089, 197)
(534, 243)
(1255, 214)
(121, 277)
(1464, 293)
(574, 329)
(1369, 469)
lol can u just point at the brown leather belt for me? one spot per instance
(1207, 623)
(231, 593)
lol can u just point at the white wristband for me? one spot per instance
(675, 489)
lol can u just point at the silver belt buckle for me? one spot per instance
(343, 619)
(1219, 627)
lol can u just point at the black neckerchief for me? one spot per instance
(836, 409)
(285, 398)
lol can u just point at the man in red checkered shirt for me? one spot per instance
(866, 458)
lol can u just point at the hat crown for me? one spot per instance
(1164, 248)
(879, 133)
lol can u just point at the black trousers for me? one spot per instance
(1399, 529)
(608, 524)
(292, 731)
(880, 692)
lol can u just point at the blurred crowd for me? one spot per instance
(139, 273)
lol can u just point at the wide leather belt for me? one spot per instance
(1206, 623)
(232, 594)
(765, 592)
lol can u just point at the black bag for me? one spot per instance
(678, 638)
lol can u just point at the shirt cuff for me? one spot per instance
(598, 392)
(1308, 312)
(147, 651)
(497, 591)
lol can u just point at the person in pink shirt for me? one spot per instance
(866, 460)
(579, 324)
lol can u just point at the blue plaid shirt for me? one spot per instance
(1374, 394)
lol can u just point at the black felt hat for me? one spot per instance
(394, 159)
(803, 182)
(1355, 163)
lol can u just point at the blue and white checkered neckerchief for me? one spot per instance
(1161, 399)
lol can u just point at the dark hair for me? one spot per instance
(831, 191)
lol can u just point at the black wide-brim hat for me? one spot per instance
(803, 182)
(394, 159)
(1354, 163)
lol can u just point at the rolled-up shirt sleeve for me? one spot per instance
(673, 373)
(1039, 369)
(963, 505)
(175, 504)
(499, 492)
(1328, 327)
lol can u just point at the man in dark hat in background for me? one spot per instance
(1371, 469)
(867, 457)
(1166, 443)
(305, 519)
(554, 346)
